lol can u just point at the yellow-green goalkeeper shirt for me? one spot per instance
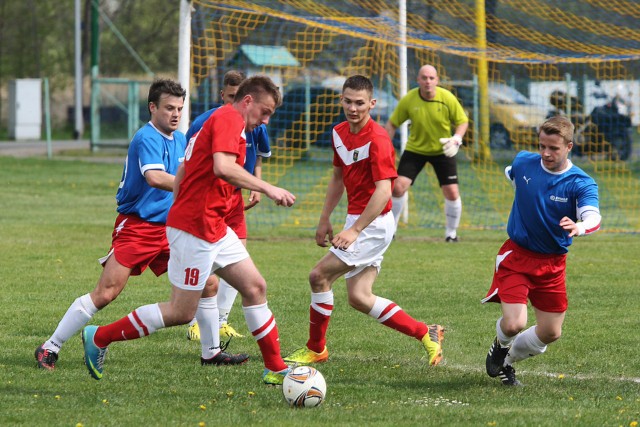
(430, 120)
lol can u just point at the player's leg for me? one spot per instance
(510, 288)
(321, 279)
(234, 265)
(112, 281)
(388, 313)
(408, 169)
(188, 269)
(141, 322)
(447, 172)
(226, 293)
(135, 246)
(207, 320)
(226, 296)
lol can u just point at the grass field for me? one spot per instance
(56, 220)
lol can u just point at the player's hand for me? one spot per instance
(570, 226)
(254, 199)
(281, 196)
(451, 145)
(324, 233)
(344, 239)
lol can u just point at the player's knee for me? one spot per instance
(550, 335)
(103, 296)
(317, 281)
(359, 302)
(211, 286)
(512, 327)
(254, 291)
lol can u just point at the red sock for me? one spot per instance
(318, 324)
(390, 314)
(269, 343)
(129, 327)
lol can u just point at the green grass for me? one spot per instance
(56, 220)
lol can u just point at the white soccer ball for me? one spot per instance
(304, 387)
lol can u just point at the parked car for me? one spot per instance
(513, 118)
(607, 124)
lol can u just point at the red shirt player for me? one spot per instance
(364, 164)
(200, 241)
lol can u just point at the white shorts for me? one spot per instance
(369, 247)
(193, 260)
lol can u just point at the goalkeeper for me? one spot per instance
(432, 111)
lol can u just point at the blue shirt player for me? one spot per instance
(554, 202)
(144, 197)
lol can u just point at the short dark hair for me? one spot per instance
(259, 86)
(161, 87)
(233, 78)
(358, 82)
(558, 125)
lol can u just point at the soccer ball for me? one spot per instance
(304, 387)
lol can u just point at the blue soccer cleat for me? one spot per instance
(93, 355)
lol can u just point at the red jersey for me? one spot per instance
(204, 199)
(365, 157)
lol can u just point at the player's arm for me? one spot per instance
(590, 220)
(225, 167)
(254, 196)
(178, 180)
(335, 189)
(461, 129)
(509, 175)
(391, 129)
(376, 204)
(157, 178)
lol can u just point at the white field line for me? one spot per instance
(580, 377)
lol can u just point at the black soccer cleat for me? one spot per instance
(495, 358)
(450, 239)
(46, 359)
(223, 358)
(508, 376)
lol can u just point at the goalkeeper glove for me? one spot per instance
(451, 145)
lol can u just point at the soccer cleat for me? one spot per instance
(495, 358)
(45, 358)
(93, 355)
(223, 358)
(274, 378)
(226, 330)
(193, 332)
(432, 342)
(304, 356)
(450, 239)
(508, 376)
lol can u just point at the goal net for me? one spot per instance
(542, 57)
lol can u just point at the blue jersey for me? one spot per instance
(542, 199)
(257, 140)
(149, 150)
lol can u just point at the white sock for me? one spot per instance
(503, 339)
(527, 344)
(150, 316)
(77, 315)
(452, 211)
(396, 207)
(193, 322)
(207, 316)
(226, 296)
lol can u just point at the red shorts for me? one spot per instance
(138, 244)
(235, 219)
(521, 274)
